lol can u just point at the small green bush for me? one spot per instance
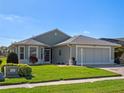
(12, 58)
(24, 70)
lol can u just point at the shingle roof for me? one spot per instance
(29, 42)
(84, 40)
(52, 37)
(121, 39)
(117, 41)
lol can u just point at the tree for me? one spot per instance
(119, 51)
(12, 58)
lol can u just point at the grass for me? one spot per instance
(111, 86)
(44, 73)
(52, 72)
(3, 60)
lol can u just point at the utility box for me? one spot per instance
(11, 72)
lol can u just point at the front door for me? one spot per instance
(47, 55)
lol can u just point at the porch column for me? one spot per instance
(43, 54)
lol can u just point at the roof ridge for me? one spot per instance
(86, 40)
(73, 38)
(56, 29)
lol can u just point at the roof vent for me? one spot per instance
(55, 34)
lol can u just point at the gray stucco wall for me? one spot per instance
(65, 55)
(73, 54)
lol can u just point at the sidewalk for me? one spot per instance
(59, 82)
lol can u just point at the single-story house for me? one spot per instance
(57, 47)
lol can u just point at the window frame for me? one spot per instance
(20, 52)
(36, 51)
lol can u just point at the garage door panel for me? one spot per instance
(97, 55)
(105, 56)
(79, 56)
(94, 55)
(87, 55)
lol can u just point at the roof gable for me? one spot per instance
(29, 42)
(52, 37)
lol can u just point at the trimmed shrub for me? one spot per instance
(24, 70)
(12, 58)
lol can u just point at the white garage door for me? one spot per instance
(93, 56)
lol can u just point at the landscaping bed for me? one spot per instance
(47, 73)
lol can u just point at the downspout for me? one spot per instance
(70, 54)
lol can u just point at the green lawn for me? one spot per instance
(53, 72)
(44, 73)
(3, 60)
(112, 86)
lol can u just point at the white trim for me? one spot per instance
(19, 53)
(81, 56)
(70, 54)
(93, 46)
(42, 53)
(110, 55)
(76, 53)
(81, 46)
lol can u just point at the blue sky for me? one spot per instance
(21, 19)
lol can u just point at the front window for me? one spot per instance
(33, 51)
(60, 53)
(47, 55)
(21, 52)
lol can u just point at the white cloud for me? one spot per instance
(86, 32)
(11, 18)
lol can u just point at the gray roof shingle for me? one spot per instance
(84, 40)
(117, 41)
(29, 42)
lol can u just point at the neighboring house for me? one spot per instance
(58, 48)
(3, 51)
(117, 41)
